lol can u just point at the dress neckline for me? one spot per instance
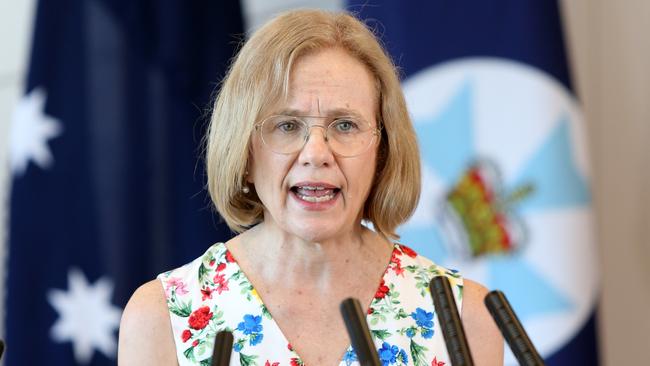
(255, 294)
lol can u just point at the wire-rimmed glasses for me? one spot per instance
(346, 136)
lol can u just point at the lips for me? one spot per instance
(315, 192)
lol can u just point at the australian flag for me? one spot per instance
(505, 189)
(107, 187)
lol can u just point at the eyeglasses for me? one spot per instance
(346, 136)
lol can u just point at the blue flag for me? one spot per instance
(107, 178)
(505, 189)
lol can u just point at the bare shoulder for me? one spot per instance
(483, 336)
(145, 330)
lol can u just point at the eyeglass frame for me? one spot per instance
(376, 132)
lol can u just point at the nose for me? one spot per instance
(316, 150)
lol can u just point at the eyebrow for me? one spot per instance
(330, 113)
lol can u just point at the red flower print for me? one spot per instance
(289, 347)
(296, 362)
(370, 311)
(200, 318)
(195, 343)
(381, 291)
(221, 267)
(222, 287)
(207, 293)
(408, 251)
(221, 283)
(229, 257)
(186, 335)
(212, 262)
(435, 362)
(396, 263)
(395, 259)
(267, 363)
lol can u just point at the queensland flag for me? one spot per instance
(505, 191)
(107, 187)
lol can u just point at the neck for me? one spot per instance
(291, 259)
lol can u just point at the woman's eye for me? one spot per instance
(287, 126)
(345, 126)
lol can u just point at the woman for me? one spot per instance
(309, 137)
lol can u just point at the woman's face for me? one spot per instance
(313, 193)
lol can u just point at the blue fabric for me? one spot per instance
(129, 83)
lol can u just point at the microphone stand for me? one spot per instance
(452, 328)
(512, 330)
(355, 322)
(222, 349)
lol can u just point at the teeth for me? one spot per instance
(312, 188)
(316, 199)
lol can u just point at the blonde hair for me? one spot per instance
(259, 78)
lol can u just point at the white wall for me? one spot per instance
(611, 54)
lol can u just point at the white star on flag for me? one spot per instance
(31, 129)
(86, 316)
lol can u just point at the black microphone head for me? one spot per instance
(450, 323)
(355, 322)
(222, 348)
(512, 330)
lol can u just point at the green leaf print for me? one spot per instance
(411, 268)
(380, 334)
(189, 353)
(417, 354)
(179, 308)
(266, 312)
(203, 272)
(206, 362)
(247, 360)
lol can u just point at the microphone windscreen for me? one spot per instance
(449, 319)
(222, 348)
(355, 322)
(512, 330)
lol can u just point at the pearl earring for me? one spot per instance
(245, 189)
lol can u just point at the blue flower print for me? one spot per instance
(402, 358)
(422, 318)
(238, 346)
(256, 338)
(252, 329)
(251, 324)
(427, 333)
(410, 332)
(350, 356)
(389, 355)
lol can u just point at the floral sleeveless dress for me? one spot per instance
(212, 294)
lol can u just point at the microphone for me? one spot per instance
(452, 328)
(355, 322)
(511, 329)
(222, 348)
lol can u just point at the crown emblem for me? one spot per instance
(478, 213)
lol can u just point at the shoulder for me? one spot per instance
(483, 336)
(145, 330)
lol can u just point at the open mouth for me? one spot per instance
(315, 194)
